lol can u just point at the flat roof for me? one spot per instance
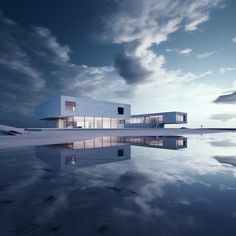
(92, 99)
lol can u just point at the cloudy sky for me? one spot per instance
(158, 55)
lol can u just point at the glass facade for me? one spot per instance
(156, 119)
(79, 121)
(114, 123)
(98, 123)
(92, 122)
(146, 119)
(89, 122)
(106, 123)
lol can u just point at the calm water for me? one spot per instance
(121, 186)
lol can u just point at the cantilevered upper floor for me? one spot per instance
(73, 112)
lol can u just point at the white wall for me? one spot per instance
(84, 107)
(93, 108)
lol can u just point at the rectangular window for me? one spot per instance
(98, 122)
(113, 123)
(89, 122)
(79, 121)
(179, 118)
(120, 110)
(120, 152)
(68, 122)
(106, 123)
(156, 119)
(70, 106)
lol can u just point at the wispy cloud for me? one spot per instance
(138, 25)
(225, 69)
(185, 51)
(223, 117)
(234, 39)
(227, 98)
(205, 54)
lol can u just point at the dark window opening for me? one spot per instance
(184, 118)
(120, 152)
(120, 110)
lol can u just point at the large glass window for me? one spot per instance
(120, 123)
(179, 118)
(114, 123)
(89, 122)
(98, 122)
(106, 123)
(147, 119)
(136, 120)
(79, 121)
(156, 119)
(69, 122)
(70, 106)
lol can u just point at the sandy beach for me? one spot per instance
(56, 136)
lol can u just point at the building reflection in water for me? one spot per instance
(102, 150)
(165, 142)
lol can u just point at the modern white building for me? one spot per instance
(73, 112)
(156, 120)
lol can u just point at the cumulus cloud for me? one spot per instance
(227, 98)
(225, 69)
(138, 25)
(131, 69)
(223, 117)
(205, 54)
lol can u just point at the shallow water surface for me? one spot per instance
(121, 186)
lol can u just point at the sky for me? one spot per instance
(157, 55)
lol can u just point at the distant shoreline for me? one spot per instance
(35, 137)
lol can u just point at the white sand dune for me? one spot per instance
(11, 130)
(56, 136)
